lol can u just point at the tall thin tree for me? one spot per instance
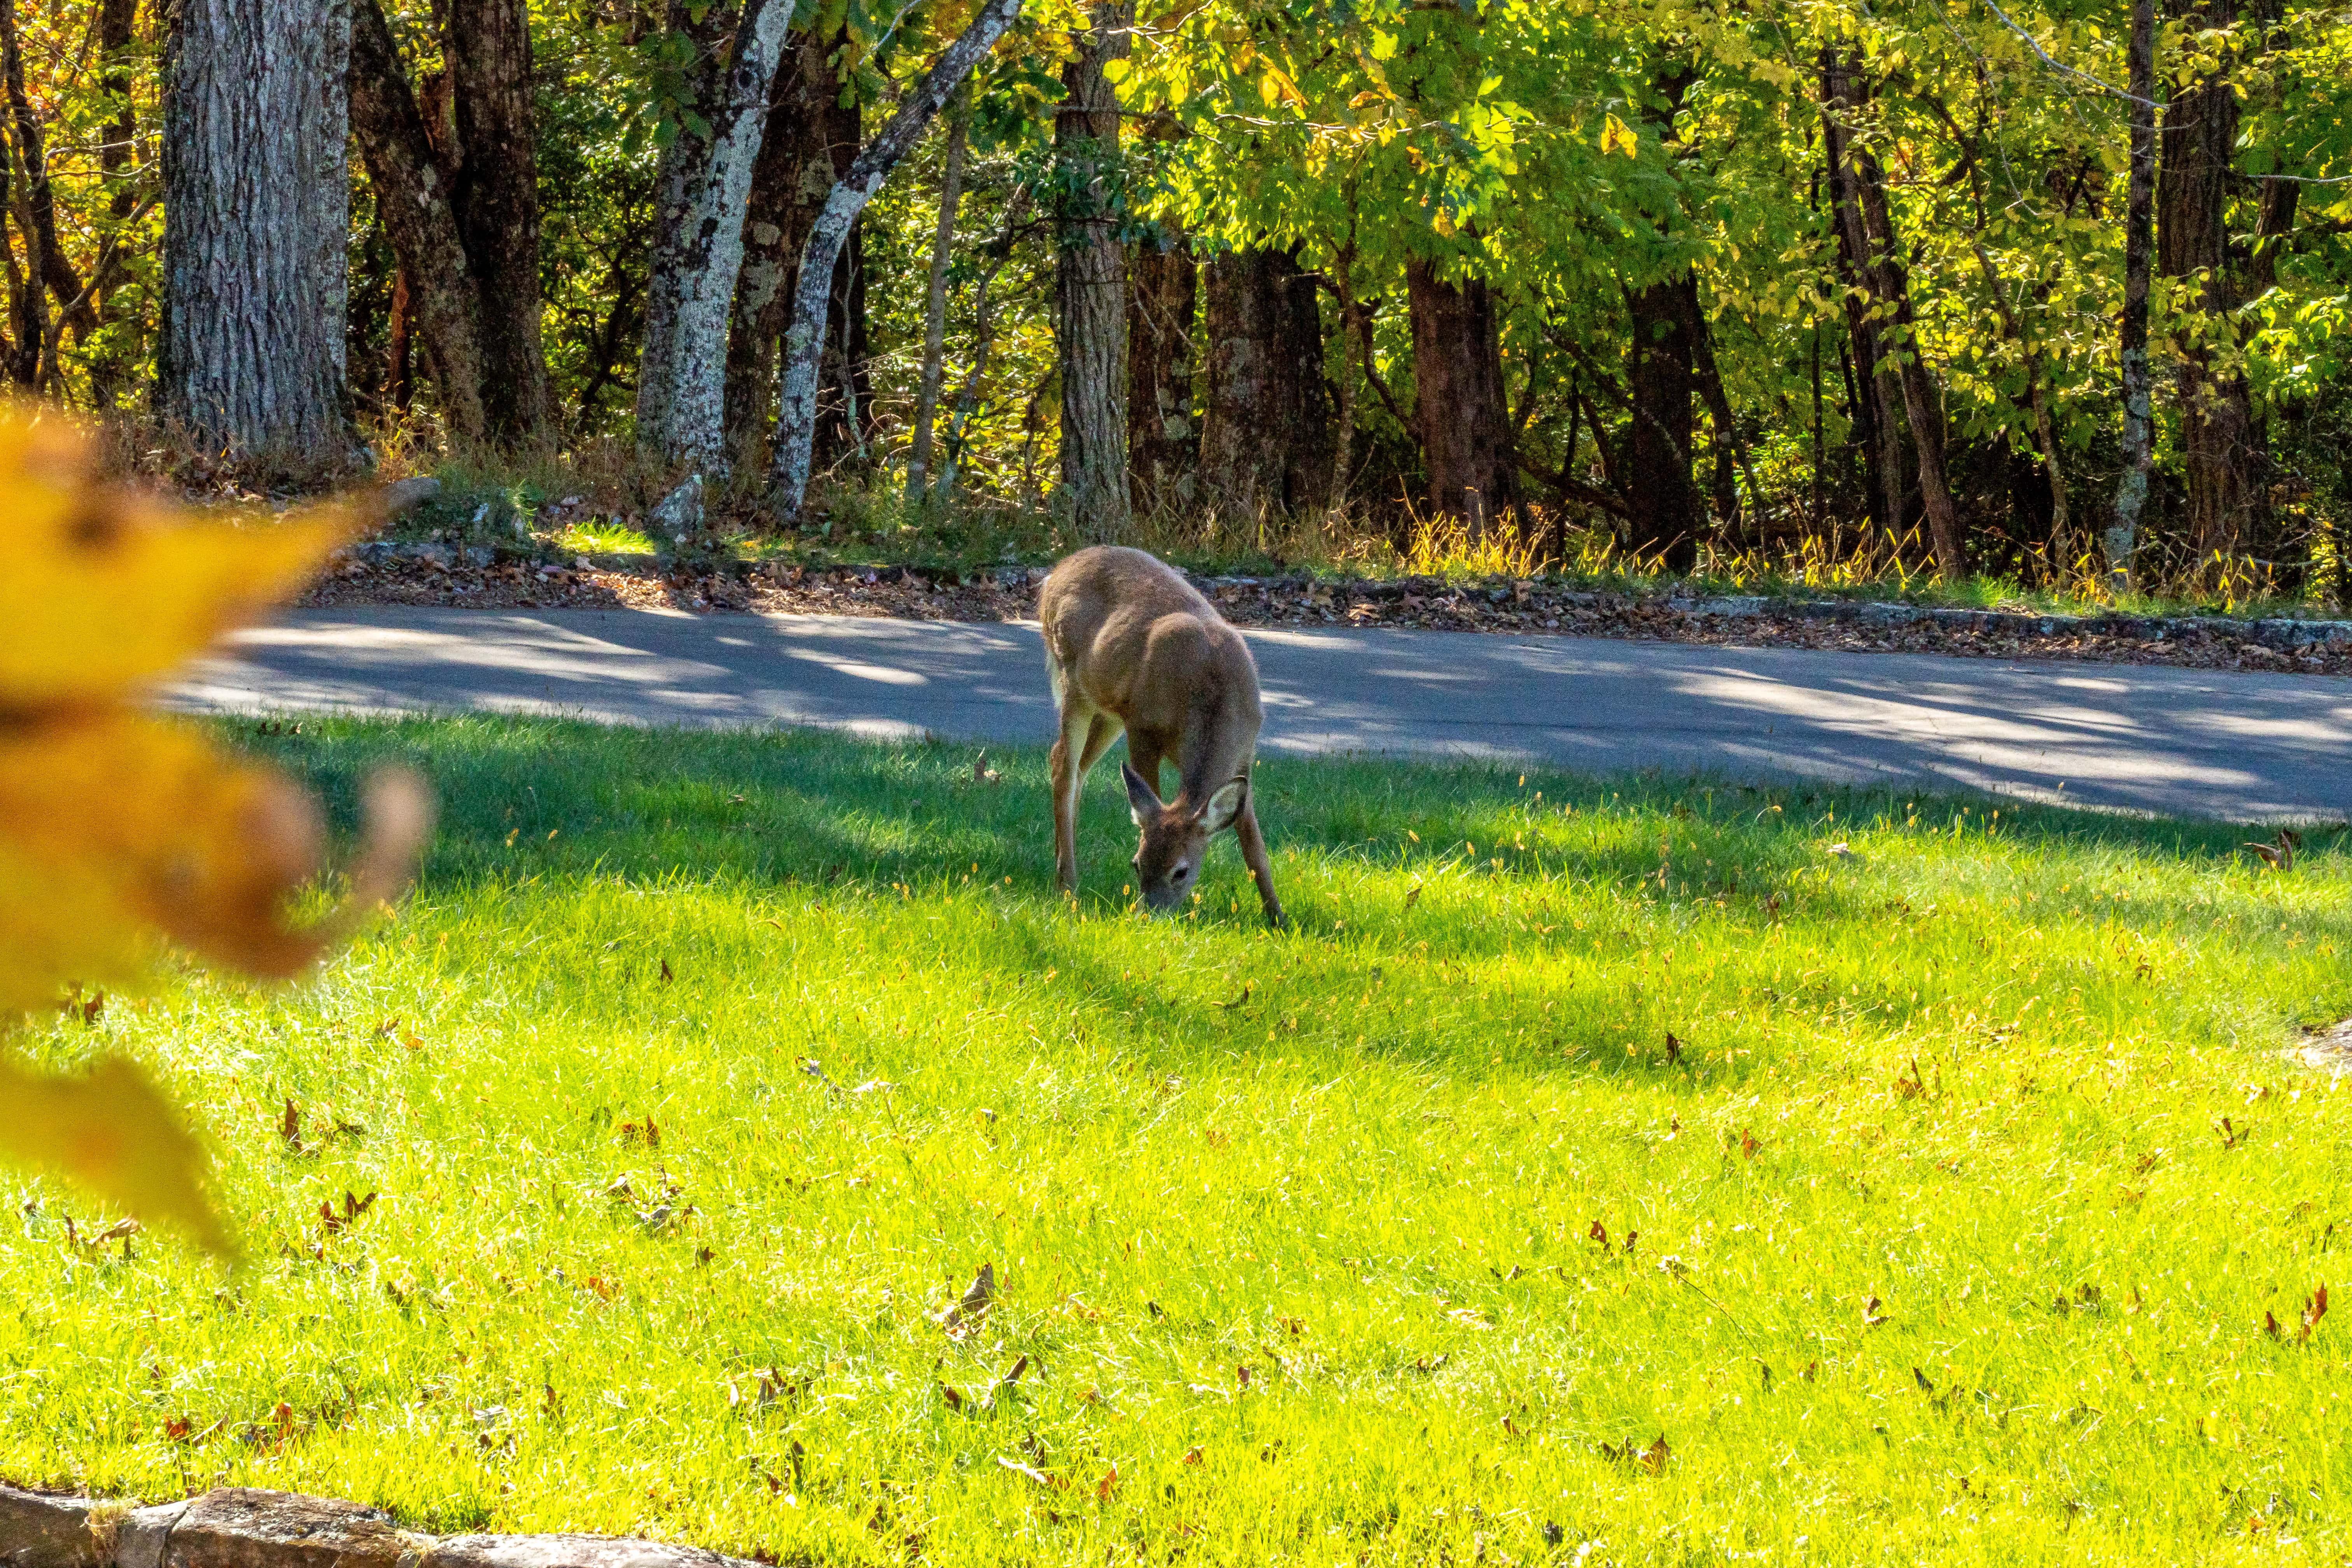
(1090, 280)
(2122, 535)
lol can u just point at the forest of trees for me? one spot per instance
(2055, 290)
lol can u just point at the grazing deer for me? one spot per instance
(1129, 644)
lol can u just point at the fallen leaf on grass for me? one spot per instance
(1655, 1456)
(1871, 1315)
(957, 1318)
(1108, 1485)
(2315, 1307)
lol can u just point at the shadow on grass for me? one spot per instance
(535, 796)
(773, 810)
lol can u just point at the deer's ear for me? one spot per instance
(1143, 803)
(1223, 807)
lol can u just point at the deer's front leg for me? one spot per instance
(1253, 845)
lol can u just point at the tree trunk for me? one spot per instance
(110, 367)
(412, 200)
(256, 212)
(29, 309)
(935, 302)
(810, 139)
(1090, 281)
(2220, 449)
(1163, 440)
(1873, 403)
(1265, 437)
(812, 291)
(496, 197)
(1661, 379)
(845, 412)
(47, 258)
(1459, 410)
(703, 186)
(2122, 536)
(399, 368)
(1880, 267)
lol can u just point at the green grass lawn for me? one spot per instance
(1947, 1185)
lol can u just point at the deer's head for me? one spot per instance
(1175, 837)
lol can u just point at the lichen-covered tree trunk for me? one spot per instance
(1090, 281)
(1163, 438)
(496, 197)
(1459, 408)
(812, 290)
(2121, 537)
(256, 212)
(2221, 447)
(1267, 443)
(810, 140)
(704, 186)
(1660, 382)
(436, 292)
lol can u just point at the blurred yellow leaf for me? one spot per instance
(1617, 137)
(113, 1132)
(103, 588)
(119, 832)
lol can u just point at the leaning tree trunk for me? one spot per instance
(1661, 379)
(810, 138)
(1459, 408)
(436, 296)
(256, 213)
(2220, 447)
(812, 289)
(488, 46)
(1090, 282)
(1867, 227)
(1266, 442)
(48, 261)
(704, 186)
(2121, 538)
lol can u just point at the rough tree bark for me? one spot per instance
(436, 297)
(1265, 435)
(704, 186)
(1862, 191)
(1163, 438)
(2220, 446)
(935, 302)
(810, 139)
(1872, 403)
(1459, 409)
(1661, 379)
(2121, 537)
(812, 293)
(1090, 282)
(256, 216)
(496, 197)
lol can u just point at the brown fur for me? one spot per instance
(1129, 644)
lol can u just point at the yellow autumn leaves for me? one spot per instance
(119, 832)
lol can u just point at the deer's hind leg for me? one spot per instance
(1085, 734)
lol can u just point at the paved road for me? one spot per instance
(2188, 743)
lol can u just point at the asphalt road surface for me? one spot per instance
(2243, 747)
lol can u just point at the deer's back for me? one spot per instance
(1137, 640)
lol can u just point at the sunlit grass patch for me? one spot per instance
(1923, 1174)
